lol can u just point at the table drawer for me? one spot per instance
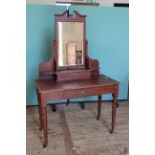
(83, 74)
(83, 92)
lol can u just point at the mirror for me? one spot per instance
(70, 44)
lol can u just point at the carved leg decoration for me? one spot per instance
(99, 106)
(113, 112)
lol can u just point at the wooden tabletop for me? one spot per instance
(53, 85)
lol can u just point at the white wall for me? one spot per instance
(102, 2)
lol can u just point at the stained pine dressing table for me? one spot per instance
(71, 73)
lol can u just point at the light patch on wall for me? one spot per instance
(101, 2)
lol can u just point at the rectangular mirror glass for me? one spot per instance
(70, 44)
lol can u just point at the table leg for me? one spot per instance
(53, 107)
(113, 112)
(40, 118)
(39, 109)
(99, 106)
(68, 100)
(44, 120)
(82, 105)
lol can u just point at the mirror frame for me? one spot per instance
(65, 17)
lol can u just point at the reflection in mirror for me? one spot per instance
(70, 44)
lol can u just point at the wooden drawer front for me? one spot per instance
(73, 75)
(66, 94)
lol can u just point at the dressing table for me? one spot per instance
(71, 73)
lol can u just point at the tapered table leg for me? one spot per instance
(40, 118)
(39, 109)
(45, 126)
(99, 107)
(44, 120)
(113, 112)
